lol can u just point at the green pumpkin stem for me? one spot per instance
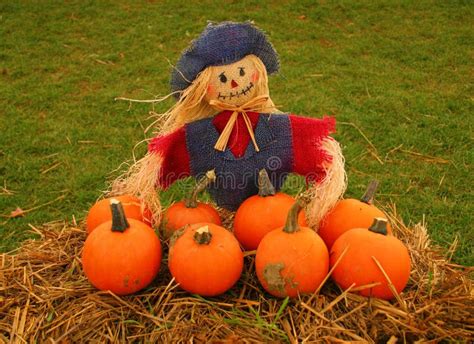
(370, 192)
(202, 235)
(379, 226)
(265, 186)
(291, 225)
(119, 221)
(202, 184)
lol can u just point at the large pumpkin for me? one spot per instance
(350, 213)
(262, 213)
(291, 260)
(365, 250)
(122, 255)
(190, 211)
(205, 259)
(100, 211)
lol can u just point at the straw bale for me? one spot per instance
(44, 297)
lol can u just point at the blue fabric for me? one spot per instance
(222, 44)
(237, 178)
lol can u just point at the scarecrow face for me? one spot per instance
(234, 83)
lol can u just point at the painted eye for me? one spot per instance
(242, 71)
(223, 78)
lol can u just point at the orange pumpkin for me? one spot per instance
(190, 211)
(205, 259)
(291, 260)
(100, 212)
(122, 255)
(350, 213)
(359, 266)
(262, 213)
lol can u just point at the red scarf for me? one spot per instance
(239, 138)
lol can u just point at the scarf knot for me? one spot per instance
(255, 104)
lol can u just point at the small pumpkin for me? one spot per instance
(262, 213)
(350, 213)
(100, 211)
(291, 260)
(359, 264)
(122, 255)
(191, 211)
(205, 259)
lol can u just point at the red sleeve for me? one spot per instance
(308, 152)
(172, 148)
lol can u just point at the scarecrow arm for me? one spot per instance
(172, 148)
(309, 155)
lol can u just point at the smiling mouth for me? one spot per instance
(236, 94)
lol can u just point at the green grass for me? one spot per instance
(400, 71)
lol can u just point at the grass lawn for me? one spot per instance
(397, 76)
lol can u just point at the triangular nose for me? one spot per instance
(233, 84)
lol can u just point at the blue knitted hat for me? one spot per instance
(222, 44)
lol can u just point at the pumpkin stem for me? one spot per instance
(265, 186)
(370, 192)
(202, 235)
(119, 221)
(379, 226)
(291, 224)
(202, 184)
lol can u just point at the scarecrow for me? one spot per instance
(225, 120)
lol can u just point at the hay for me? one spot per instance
(45, 297)
(322, 196)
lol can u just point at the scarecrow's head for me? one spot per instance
(228, 61)
(235, 83)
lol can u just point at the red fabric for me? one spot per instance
(172, 148)
(308, 154)
(240, 137)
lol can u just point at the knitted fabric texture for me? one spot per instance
(222, 44)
